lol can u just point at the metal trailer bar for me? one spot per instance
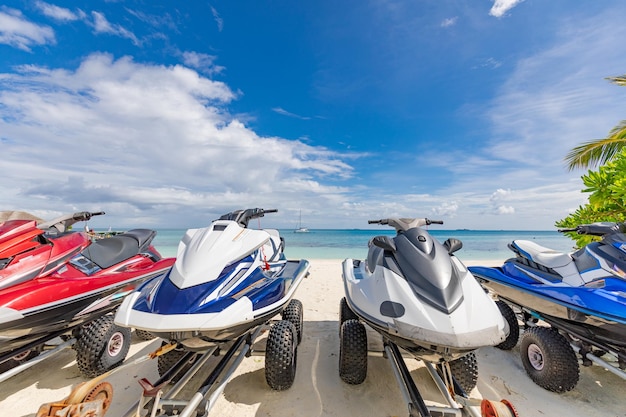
(414, 400)
(213, 378)
(460, 404)
(440, 384)
(135, 410)
(34, 361)
(191, 372)
(601, 362)
(35, 343)
(189, 408)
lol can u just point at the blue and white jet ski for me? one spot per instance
(227, 280)
(581, 295)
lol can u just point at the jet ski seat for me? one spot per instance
(110, 251)
(540, 254)
(143, 236)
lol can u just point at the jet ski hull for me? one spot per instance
(254, 301)
(389, 306)
(595, 313)
(28, 254)
(24, 323)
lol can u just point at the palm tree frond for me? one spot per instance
(618, 132)
(599, 151)
(619, 80)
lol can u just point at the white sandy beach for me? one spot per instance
(318, 390)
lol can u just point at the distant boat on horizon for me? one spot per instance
(300, 228)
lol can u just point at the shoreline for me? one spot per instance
(318, 390)
(342, 244)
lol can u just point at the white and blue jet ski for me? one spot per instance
(419, 297)
(227, 281)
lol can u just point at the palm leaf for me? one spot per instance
(620, 80)
(598, 151)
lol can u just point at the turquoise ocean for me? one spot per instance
(341, 244)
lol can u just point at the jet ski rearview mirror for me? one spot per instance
(384, 242)
(452, 245)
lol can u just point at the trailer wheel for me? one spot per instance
(353, 352)
(549, 359)
(102, 345)
(294, 313)
(345, 312)
(465, 371)
(281, 355)
(511, 319)
(144, 334)
(20, 359)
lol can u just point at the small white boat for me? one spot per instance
(300, 228)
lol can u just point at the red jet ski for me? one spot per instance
(29, 250)
(75, 299)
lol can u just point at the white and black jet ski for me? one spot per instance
(414, 292)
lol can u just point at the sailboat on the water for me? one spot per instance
(300, 228)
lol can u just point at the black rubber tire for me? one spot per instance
(353, 352)
(144, 334)
(281, 354)
(511, 319)
(465, 371)
(169, 359)
(101, 346)
(294, 312)
(549, 359)
(345, 312)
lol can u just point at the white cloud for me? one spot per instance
(19, 32)
(161, 20)
(102, 25)
(284, 112)
(201, 62)
(150, 141)
(59, 13)
(218, 19)
(489, 63)
(451, 21)
(448, 209)
(500, 7)
(505, 210)
(500, 194)
(497, 199)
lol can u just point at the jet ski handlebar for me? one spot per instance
(244, 216)
(85, 215)
(404, 224)
(596, 229)
(63, 223)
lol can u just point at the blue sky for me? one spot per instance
(168, 116)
